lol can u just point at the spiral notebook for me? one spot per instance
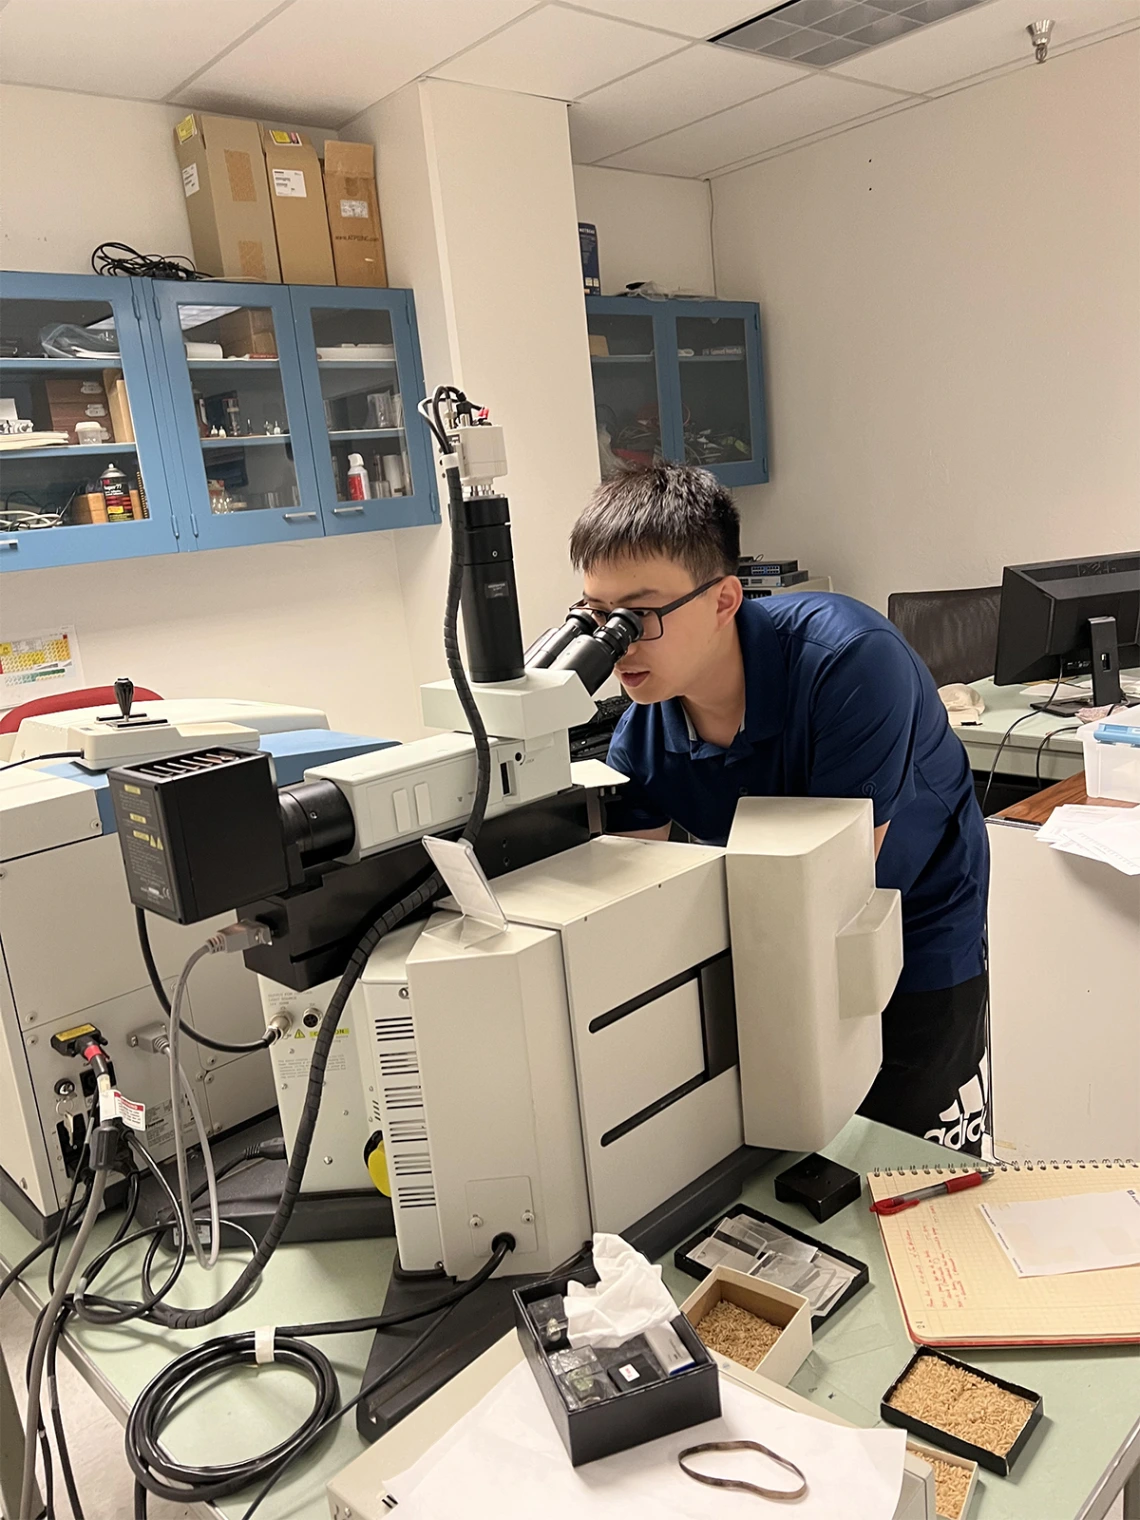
(957, 1287)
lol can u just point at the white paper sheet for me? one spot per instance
(504, 1461)
(1087, 1232)
(1110, 835)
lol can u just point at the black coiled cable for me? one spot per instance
(158, 1473)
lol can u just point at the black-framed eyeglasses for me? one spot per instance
(652, 625)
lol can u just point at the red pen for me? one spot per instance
(902, 1201)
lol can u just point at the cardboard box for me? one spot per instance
(76, 398)
(227, 197)
(297, 196)
(247, 332)
(642, 1414)
(88, 508)
(122, 424)
(932, 1454)
(777, 1305)
(354, 214)
(599, 346)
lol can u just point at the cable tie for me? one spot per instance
(263, 1344)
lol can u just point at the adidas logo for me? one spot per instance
(964, 1121)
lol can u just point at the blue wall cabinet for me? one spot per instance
(679, 380)
(360, 366)
(76, 352)
(231, 410)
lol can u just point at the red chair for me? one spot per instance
(64, 701)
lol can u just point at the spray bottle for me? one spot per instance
(357, 478)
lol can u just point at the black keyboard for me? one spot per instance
(591, 741)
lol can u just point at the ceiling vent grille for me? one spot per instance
(820, 33)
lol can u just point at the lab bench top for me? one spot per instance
(1061, 757)
(1076, 1461)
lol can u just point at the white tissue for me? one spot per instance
(629, 1299)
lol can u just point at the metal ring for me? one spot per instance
(737, 1483)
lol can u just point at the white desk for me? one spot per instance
(1062, 756)
(1064, 943)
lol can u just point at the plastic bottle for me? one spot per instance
(357, 478)
(117, 495)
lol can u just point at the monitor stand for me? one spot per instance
(1105, 667)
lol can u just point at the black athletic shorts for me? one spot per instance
(934, 1080)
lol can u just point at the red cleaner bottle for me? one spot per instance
(117, 495)
(357, 478)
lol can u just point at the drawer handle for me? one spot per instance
(9, 543)
(299, 516)
(346, 511)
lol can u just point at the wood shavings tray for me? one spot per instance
(970, 1413)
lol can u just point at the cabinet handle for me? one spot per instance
(299, 516)
(9, 543)
(346, 511)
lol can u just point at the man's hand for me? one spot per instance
(661, 833)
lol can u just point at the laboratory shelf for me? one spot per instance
(244, 440)
(13, 365)
(63, 450)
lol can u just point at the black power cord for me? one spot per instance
(122, 259)
(59, 754)
(235, 1049)
(1033, 712)
(156, 1472)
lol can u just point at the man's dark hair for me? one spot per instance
(673, 510)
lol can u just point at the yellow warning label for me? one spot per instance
(300, 1035)
(186, 128)
(138, 833)
(286, 139)
(138, 817)
(135, 791)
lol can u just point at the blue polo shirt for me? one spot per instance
(837, 704)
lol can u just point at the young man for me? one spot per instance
(803, 695)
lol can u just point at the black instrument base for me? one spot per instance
(487, 1314)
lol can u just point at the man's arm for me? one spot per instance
(865, 716)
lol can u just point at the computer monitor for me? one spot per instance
(1070, 617)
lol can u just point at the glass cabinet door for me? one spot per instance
(717, 361)
(80, 461)
(627, 396)
(363, 383)
(239, 412)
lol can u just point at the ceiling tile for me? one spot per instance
(974, 41)
(558, 52)
(324, 61)
(691, 18)
(810, 105)
(133, 49)
(669, 94)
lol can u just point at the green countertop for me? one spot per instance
(1092, 1396)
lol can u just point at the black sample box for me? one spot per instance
(683, 1261)
(822, 1186)
(994, 1461)
(629, 1401)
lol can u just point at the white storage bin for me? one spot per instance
(1112, 770)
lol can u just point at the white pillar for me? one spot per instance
(477, 201)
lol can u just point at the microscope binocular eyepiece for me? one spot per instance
(581, 646)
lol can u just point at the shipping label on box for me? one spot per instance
(299, 215)
(354, 214)
(227, 197)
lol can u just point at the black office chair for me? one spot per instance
(953, 632)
